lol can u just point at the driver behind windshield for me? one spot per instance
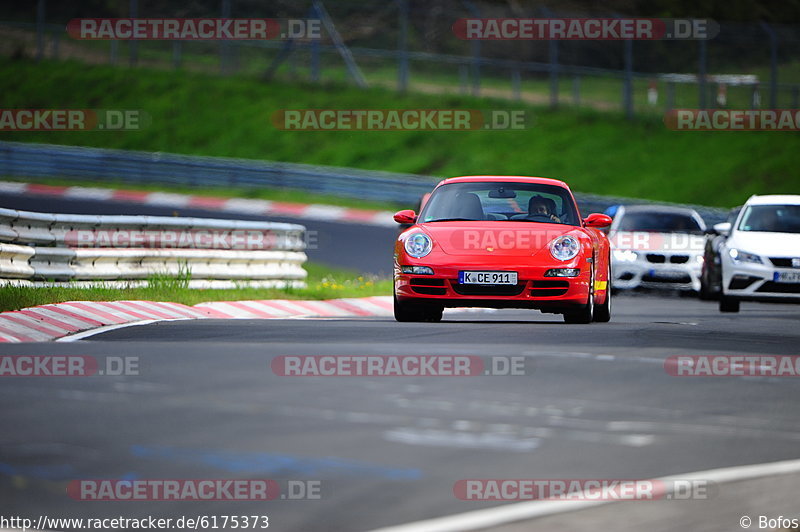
(541, 206)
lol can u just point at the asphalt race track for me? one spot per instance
(595, 402)
(364, 248)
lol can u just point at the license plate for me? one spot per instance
(666, 274)
(786, 277)
(487, 277)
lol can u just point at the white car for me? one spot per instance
(760, 259)
(657, 247)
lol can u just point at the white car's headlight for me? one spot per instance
(418, 245)
(740, 256)
(625, 255)
(565, 247)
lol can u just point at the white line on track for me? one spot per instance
(107, 328)
(509, 513)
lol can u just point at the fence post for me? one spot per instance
(315, 60)
(670, 95)
(773, 65)
(313, 46)
(515, 85)
(176, 54)
(402, 47)
(113, 52)
(56, 43)
(553, 50)
(40, 11)
(627, 86)
(576, 90)
(133, 50)
(756, 97)
(463, 78)
(701, 74)
(224, 45)
(476, 68)
(475, 47)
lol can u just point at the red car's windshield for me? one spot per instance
(501, 201)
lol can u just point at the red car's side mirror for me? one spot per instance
(597, 220)
(407, 217)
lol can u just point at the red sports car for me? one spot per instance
(502, 242)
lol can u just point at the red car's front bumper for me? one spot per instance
(533, 289)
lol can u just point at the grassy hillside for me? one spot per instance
(595, 152)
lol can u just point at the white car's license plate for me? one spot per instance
(667, 274)
(786, 277)
(487, 277)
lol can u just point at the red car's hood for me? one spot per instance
(514, 239)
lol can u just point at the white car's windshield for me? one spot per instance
(501, 201)
(659, 222)
(771, 219)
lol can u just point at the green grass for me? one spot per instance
(323, 283)
(595, 152)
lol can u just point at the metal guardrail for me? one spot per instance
(47, 160)
(61, 247)
(133, 167)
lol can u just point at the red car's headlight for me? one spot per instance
(565, 247)
(418, 245)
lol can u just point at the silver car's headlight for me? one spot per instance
(625, 255)
(565, 247)
(738, 256)
(418, 245)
